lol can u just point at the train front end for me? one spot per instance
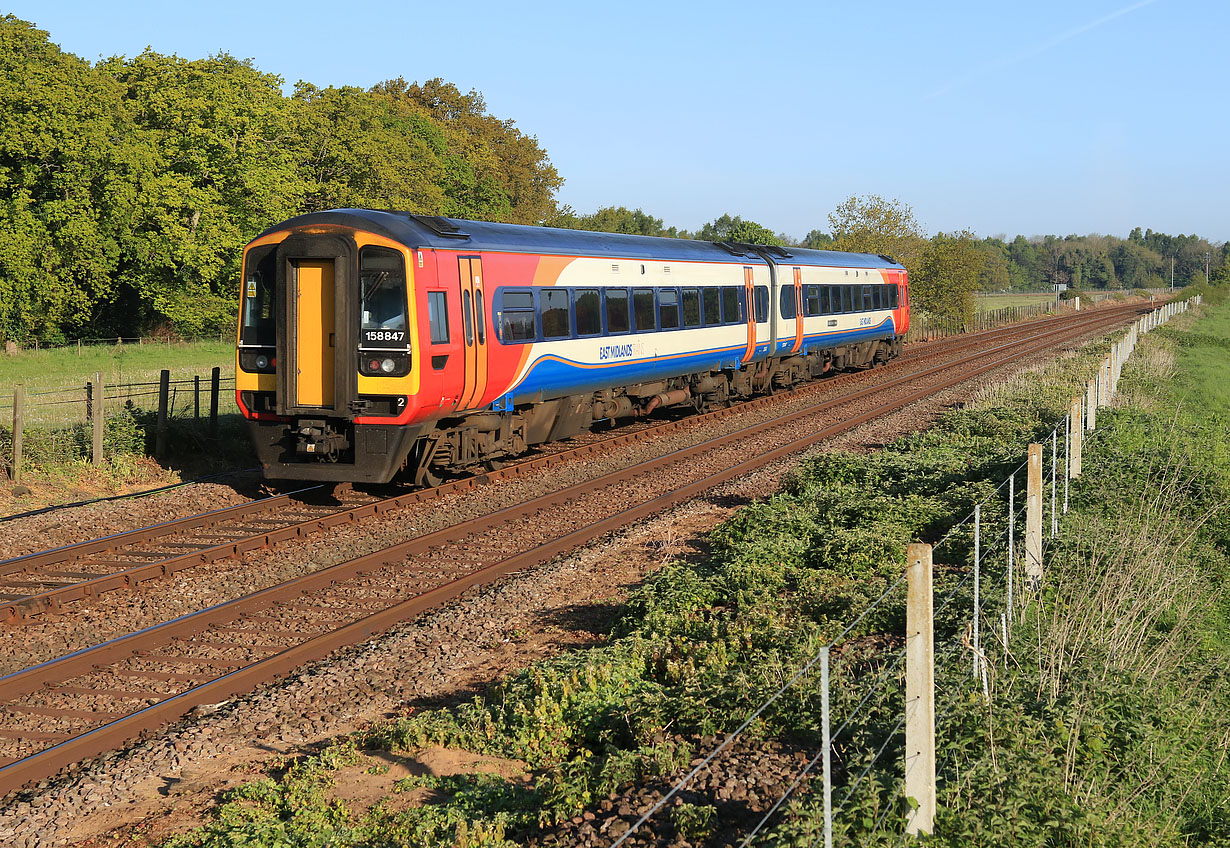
(326, 367)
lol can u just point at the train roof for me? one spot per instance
(422, 231)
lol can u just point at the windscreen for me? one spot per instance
(259, 328)
(382, 284)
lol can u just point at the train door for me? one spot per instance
(315, 333)
(750, 300)
(474, 331)
(798, 310)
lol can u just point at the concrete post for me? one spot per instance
(1075, 433)
(1033, 519)
(1091, 406)
(919, 692)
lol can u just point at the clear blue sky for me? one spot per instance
(1049, 116)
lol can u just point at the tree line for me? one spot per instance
(128, 188)
(948, 269)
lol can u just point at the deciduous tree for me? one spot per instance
(872, 224)
(947, 276)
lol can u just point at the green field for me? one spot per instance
(58, 368)
(988, 302)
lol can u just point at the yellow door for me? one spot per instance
(314, 333)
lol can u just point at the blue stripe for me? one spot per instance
(552, 376)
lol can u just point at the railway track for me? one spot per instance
(92, 700)
(49, 582)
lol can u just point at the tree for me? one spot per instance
(67, 170)
(872, 224)
(947, 275)
(613, 219)
(492, 170)
(818, 240)
(366, 150)
(736, 229)
(217, 139)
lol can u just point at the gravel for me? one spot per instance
(464, 648)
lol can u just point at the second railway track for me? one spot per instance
(52, 581)
(76, 706)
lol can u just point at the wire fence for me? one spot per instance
(92, 420)
(986, 569)
(12, 347)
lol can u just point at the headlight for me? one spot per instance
(258, 361)
(387, 366)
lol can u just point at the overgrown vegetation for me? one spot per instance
(1105, 730)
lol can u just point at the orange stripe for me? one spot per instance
(798, 310)
(751, 314)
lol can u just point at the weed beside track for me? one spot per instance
(1102, 729)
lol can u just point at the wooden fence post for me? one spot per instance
(1075, 434)
(919, 692)
(19, 423)
(100, 417)
(196, 399)
(1033, 519)
(160, 429)
(214, 379)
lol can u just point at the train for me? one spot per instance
(381, 345)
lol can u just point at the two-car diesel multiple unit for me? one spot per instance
(372, 343)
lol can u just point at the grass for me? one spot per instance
(58, 368)
(1093, 739)
(988, 302)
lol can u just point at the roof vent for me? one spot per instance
(441, 226)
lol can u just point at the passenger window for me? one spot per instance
(787, 299)
(868, 299)
(467, 318)
(691, 307)
(437, 316)
(895, 296)
(588, 311)
(668, 309)
(847, 298)
(617, 314)
(713, 307)
(731, 314)
(812, 305)
(555, 314)
(762, 304)
(642, 306)
(516, 317)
